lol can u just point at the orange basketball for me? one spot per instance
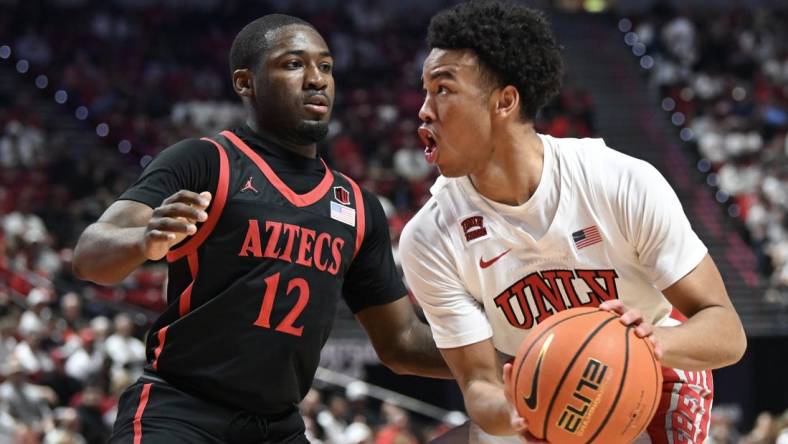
(583, 377)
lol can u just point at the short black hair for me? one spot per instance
(512, 41)
(250, 44)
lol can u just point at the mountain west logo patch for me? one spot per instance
(473, 228)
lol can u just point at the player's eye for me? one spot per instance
(325, 67)
(293, 64)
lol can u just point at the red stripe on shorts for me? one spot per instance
(138, 414)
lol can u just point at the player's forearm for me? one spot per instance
(106, 254)
(415, 353)
(487, 406)
(712, 338)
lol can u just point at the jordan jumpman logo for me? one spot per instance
(249, 187)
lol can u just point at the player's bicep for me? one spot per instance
(701, 288)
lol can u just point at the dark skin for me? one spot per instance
(288, 98)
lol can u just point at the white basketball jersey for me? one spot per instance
(613, 229)
(618, 232)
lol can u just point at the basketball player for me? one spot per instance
(262, 241)
(522, 225)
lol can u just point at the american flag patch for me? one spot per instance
(586, 236)
(343, 214)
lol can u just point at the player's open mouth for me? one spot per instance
(430, 144)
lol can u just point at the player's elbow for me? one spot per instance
(80, 266)
(738, 346)
(84, 267)
(84, 272)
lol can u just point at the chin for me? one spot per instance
(312, 131)
(448, 171)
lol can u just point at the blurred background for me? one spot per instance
(91, 90)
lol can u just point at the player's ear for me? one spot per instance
(243, 82)
(508, 101)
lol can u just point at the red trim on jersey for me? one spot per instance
(677, 315)
(217, 205)
(299, 200)
(360, 216)
(681, 390)
(162, 335)
(138, 414)
(185, 301)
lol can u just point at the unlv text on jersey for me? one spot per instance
(547, 297)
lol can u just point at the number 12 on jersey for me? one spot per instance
(271, 287)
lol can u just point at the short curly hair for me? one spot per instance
(514, 43)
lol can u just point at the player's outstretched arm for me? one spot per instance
(129, 233)
(403, 343)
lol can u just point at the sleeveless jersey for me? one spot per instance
(253, 293)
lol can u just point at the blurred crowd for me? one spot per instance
(68, 348)
(724, 77)
(769, 428)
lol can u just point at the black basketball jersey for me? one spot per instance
(253, 294)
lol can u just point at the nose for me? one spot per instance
(427, 113)
(314, 78)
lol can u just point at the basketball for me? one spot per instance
(583, 377)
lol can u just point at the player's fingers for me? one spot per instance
(630, 317)
(177, 209)
(644, 329)
(507, 373)
(189, 198)
(614, 305)
(206, 199)
(519, 425)
(158, 235)
(171, 225)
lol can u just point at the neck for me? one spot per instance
(309, 150)
(514, 169)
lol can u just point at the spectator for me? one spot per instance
(67, 427)
(27, 404)
(64, 385)
(126, 352)
(87, 361)
(37, 316)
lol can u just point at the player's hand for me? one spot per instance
(631, 316)
(517, 422)
(174, 220)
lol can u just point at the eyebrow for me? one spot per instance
(440, 73)
(301, 52)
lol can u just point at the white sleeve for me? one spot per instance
(655, 223)
(455, 317)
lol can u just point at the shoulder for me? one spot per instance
(425, 228)
(594, 163)
(189, 149)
